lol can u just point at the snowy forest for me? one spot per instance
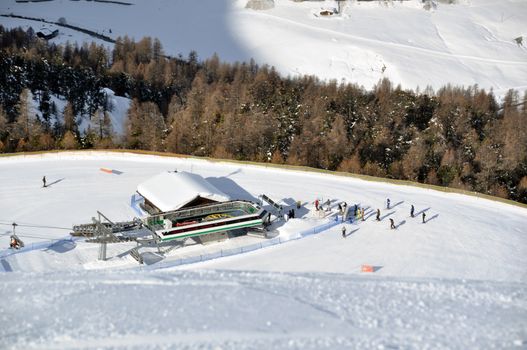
(459, 137)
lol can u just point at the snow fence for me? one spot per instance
(243, 249)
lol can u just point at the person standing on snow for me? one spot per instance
(388, 203)
(412, 211)
(362, 213)
(316, 204)
(392, 224)
(44, 181)
(343, 231)
(424, 216)
(378, 217)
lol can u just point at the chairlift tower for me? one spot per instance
(104, 234)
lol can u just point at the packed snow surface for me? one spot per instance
(470, 42)
(457, 281)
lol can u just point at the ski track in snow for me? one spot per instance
(383, 43)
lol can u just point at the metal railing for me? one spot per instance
(242, 249)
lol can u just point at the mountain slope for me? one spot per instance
(462, 44)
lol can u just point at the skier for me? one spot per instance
(388, 203)
(14, 243)
(378, 217)
(424, 215)
(328, 203)
(269, 218)
(316, 204)
(343, 231)
(355, 210)
(44, 181)
(340, 208)
(392, 224)
(412, 211)
(362, 214)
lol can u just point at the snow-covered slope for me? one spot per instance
(457, 281)
(257, 310)
(470, 42)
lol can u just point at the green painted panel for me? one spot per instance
(219, 229)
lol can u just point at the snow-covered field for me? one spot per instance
(470, 42)
(457, 281)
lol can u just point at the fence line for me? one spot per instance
(241, 250)
(188, 260)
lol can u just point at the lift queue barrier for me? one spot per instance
(240, 250)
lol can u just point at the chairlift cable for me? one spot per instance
(37, 226)
(23, 235)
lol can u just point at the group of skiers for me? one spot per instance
(359, 214)
(319, 206)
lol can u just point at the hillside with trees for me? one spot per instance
(457, 136)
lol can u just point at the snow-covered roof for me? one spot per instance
(173, 190)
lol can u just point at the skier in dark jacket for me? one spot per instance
(412, 211)
(378, 217)
(392, 224)
(388, 203)
(343, 231)
(44, 181)
(424, 216)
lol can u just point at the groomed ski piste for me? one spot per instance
(456, 281)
